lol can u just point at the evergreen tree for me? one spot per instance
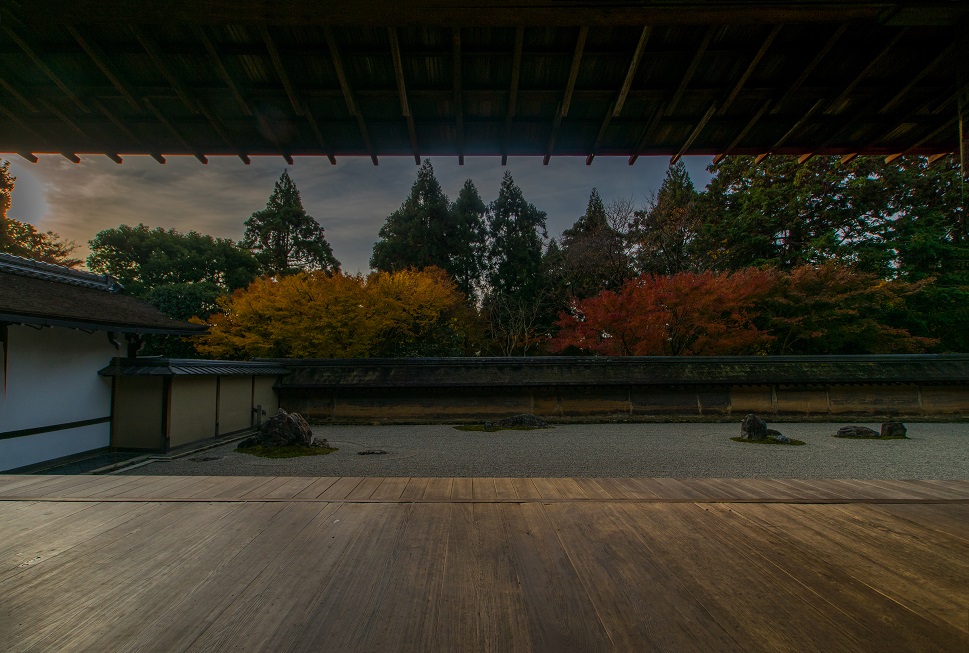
(467, 246)
(664, 234)
(417, 234)
(592, 254)
(517, 233)
(284, 237)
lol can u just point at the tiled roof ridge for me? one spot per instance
(58, 273)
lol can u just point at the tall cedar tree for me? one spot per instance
(516, 233)
(467, 246)
(663, 235)
(591, 256)
(284, 237)
(22, 239)
(417, 235)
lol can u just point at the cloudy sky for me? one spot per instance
(351, 200)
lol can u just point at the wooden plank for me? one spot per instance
(568, 488)
(953, 520)
(129, 562)
(317, 487)
(482, 606)
(614, 488)
(890, 564)
(526, 488)
(404, 617)
(591, 488)
(166, 576)
(293, 486)
(11, 482)
(365, 488)
(677, 490)
(736, 587)
(202, 606)
(461, 488)
(218, 485)
(414, 489)
(952, 489)
(643, 606)
(148, 487)
(390, 488)
(888, 625)
(547, 488)
(324, 602)
(437, 489)
(52, 528)
(505, 488)
(806, 489)
(642, 488)
(484, 489)
(248, 484)
(55, 485)
(560, 615)
(272, 484)
(341, 488)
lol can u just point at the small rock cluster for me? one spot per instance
(526, 420)
(284, 430)
(754, 428)
(889, 430)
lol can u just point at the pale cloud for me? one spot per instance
(351, 200)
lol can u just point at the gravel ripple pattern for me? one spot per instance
(934, 451)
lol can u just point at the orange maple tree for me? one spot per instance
(317, 315)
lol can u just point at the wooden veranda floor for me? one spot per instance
(127, 563)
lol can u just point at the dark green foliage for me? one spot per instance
(663, 235)
(416, 234)
(517, 234)
(284, 237)
(467, 239)
(142, 258)
(591, 256)
(180, 274)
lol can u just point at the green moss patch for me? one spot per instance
(770, 440)
(483, 428)
(293, 451)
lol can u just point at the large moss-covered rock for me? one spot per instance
(753, 428)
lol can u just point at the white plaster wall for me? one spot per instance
(30, 449)
(52, 378)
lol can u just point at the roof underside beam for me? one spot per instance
(351, 103)
(516, 64)
(563, 109)
(402, 91)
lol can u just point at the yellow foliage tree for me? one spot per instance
(315, 315)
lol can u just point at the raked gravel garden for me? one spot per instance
(932, 451)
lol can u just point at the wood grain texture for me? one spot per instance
(505, 564)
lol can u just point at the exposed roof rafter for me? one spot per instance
(402, 91)
(158, 58)
(352, 108)
(39, 62)
(458, 99)
(101, 61)
(516, 64)
(281, 69)
(216, 58)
